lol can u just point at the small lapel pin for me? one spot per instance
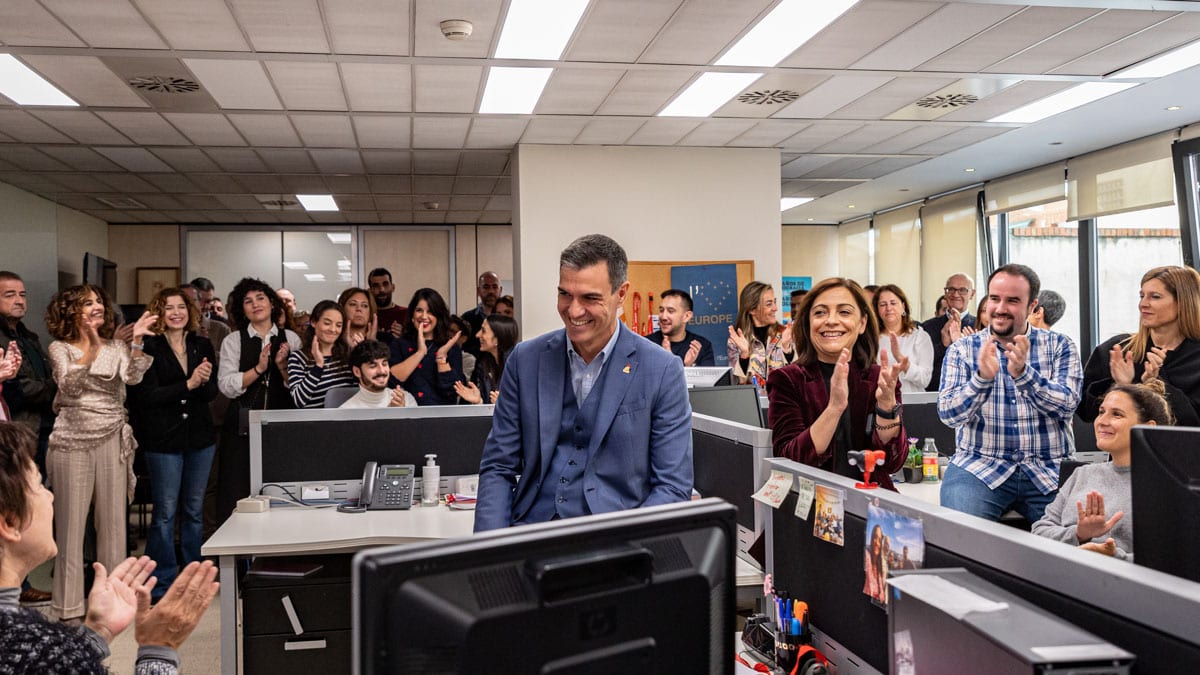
(626, 369)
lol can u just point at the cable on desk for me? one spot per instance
(296, 501)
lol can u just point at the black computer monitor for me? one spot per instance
(737, 404)
(642, 591)
(1165, 473)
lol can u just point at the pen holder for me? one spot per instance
(786, 649)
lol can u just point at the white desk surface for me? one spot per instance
(926, 492)
(296, 530)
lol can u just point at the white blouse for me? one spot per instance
(919, 349)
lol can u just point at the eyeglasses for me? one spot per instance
(951, 290)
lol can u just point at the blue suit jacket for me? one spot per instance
(641, 447)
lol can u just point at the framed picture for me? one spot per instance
(151, 280)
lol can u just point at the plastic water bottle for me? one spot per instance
(929, 461)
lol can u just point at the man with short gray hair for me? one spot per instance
(592, 417)
(944, 330)
(1050, 308)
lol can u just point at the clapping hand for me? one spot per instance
(740, 341)
(143, 327)
(1093, 522)
(1109, 547)
(952, 329)
(885, 391)
(396, 329)
(1154, 362)
(318, 357)
(281, 356)
(693, 353)
(112, 604)
(399, 400)
(903, 362)
(124, 333)
(785, 340)
(172, 620)
(839, 387)
(468, 392)
(445, 349)
(989, 361)
(10, 362)
(1120, 365)
(200, 375)
(1017, 353)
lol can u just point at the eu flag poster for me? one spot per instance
(714, 294)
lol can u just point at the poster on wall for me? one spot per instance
(714, 294)
(785, 297)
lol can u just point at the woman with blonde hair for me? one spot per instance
(90, 455)
(758, 344)
(902, 339)
(1166, 345)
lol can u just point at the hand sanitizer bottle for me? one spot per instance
(431, 478)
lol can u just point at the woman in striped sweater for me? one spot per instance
(321, 364)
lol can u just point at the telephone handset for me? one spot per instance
(386, 486)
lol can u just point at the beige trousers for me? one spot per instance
(98, 477)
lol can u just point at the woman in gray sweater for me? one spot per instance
(1080, 513)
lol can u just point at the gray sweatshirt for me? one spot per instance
(1062, 516)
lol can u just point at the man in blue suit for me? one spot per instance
(591, 418)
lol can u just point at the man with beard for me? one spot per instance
(369, 362)
(674, 313)
(944, 329)
(391, 317)
(488, 290)
(1009, 391)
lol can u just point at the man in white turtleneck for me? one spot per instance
(369, 362)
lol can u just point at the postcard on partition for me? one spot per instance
(807, 490)
(830, 519)
(893, 542)
(775, 490)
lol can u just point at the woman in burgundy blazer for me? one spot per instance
(834, 398)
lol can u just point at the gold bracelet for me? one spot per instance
(885, 427)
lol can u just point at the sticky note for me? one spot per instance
(775, 490)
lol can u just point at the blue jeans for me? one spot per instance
(176, 480)
(962, 491)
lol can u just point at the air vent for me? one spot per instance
(947, 101)
(164, 84)
(121, 202)
(768, 97)
(278, 202)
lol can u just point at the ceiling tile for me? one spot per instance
(394, 203)
(239, 201)
(77, 202)
(914, 137)
(701, 29)
(1016, 33)
(840, 167)
(769, 94)
(235, 85)
(348, 203)
(337, 161)
(261, 183)
(266, 130)
(26, 128)
(883, 167)
(716, 132)
(348, 184)
(1185, 27)
(325, 131)
(891, 97)
(768, 134)
(576, 91)
(484, 16)
(362, 217)
(35, 183)
(82, 126)
(440, 162)
(215, 183)
(236, 159)
(499, 203)
(307, 86)
(468, 202)
(958, 139)
(832, 94)
(483, 163)
(125, 182)
(82, 182)
(440, 132)
(433, 185)
(397, 185)
(446, 88)
(553, 130)
(395, 217)
(462, 217)
(186, 159)
(503, 186)
(936, 33)
(287, 160)
(474, 185)
(145, 128)
(196, 24)
(618, 30)
(111, 24)
(854, 34)
(387, 161)
(663, 131)
(81, 159)
(643, 92)
(1010, 99)
(496, 132)
(87, 80)
(429, 217)
(803, 165)
(31, 160)
(190, 217)
(382, 131)
(303, 184)
(817, 134)
(27, 23)
(368, 26)
(205, 128)
(866, 138)
(378, 87)
(495, 217)
(199, 202)
(282, 25)
(603, 131)
(134, 159)
(1097, 32)
(159, 201)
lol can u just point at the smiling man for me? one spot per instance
(369, 363)
(591, 418)
(674, 313)
(945, 329)
(1009, 392)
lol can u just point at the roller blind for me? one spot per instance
(948, 242)
(1030, 188)
(1127, 177)
(1189, 132)
(854, 253)
(898, 252)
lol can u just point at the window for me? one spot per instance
(1042, 238)
(1129, 245)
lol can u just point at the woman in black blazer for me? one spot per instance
(174, 427)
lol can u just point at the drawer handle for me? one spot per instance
(291, 615)
(297, 645)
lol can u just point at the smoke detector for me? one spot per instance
(431, 206)
(456, 29)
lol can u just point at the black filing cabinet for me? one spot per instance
(297, 625)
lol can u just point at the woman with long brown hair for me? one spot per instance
(758, 344)
(90, 456)
(1166, 345)
(323, 362)
(362, 317)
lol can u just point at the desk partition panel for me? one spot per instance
(728, 462)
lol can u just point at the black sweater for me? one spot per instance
(165, 415)
(1180, 373)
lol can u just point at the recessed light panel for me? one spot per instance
(709, 92)
(1063, 101)
(538, 29)
(513, 91)
(789, 25)
(1161, 66)
(318, 202)
(792, 202)
(26, 87)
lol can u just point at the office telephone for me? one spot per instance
(387, 486)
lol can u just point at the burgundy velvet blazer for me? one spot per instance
(798, 397)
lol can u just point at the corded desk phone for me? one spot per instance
(387, 486)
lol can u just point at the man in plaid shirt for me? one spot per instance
(1009, 391)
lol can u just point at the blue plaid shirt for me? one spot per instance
(1005, 424)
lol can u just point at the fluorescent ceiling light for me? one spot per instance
(318, 202)
(295, 265)
(1171, 62)
(314, 277)
(792, 202)
(538, 29)
(26, 87)
(1062, 101)
(513, 91)
(339, 238)
(709, 92)
(343, 265)
(789, 25)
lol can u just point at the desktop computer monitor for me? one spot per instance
(737, 404)
(1165, 477)
(642, 591)
(708, 376)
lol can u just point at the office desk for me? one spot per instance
(930, 493)
(285, 531)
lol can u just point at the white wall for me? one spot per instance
(78, 233)
(685, 204)
(811, 251)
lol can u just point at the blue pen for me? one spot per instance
(795, 627)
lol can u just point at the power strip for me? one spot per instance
(254, 505)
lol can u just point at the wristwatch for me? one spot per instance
(891, 414)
